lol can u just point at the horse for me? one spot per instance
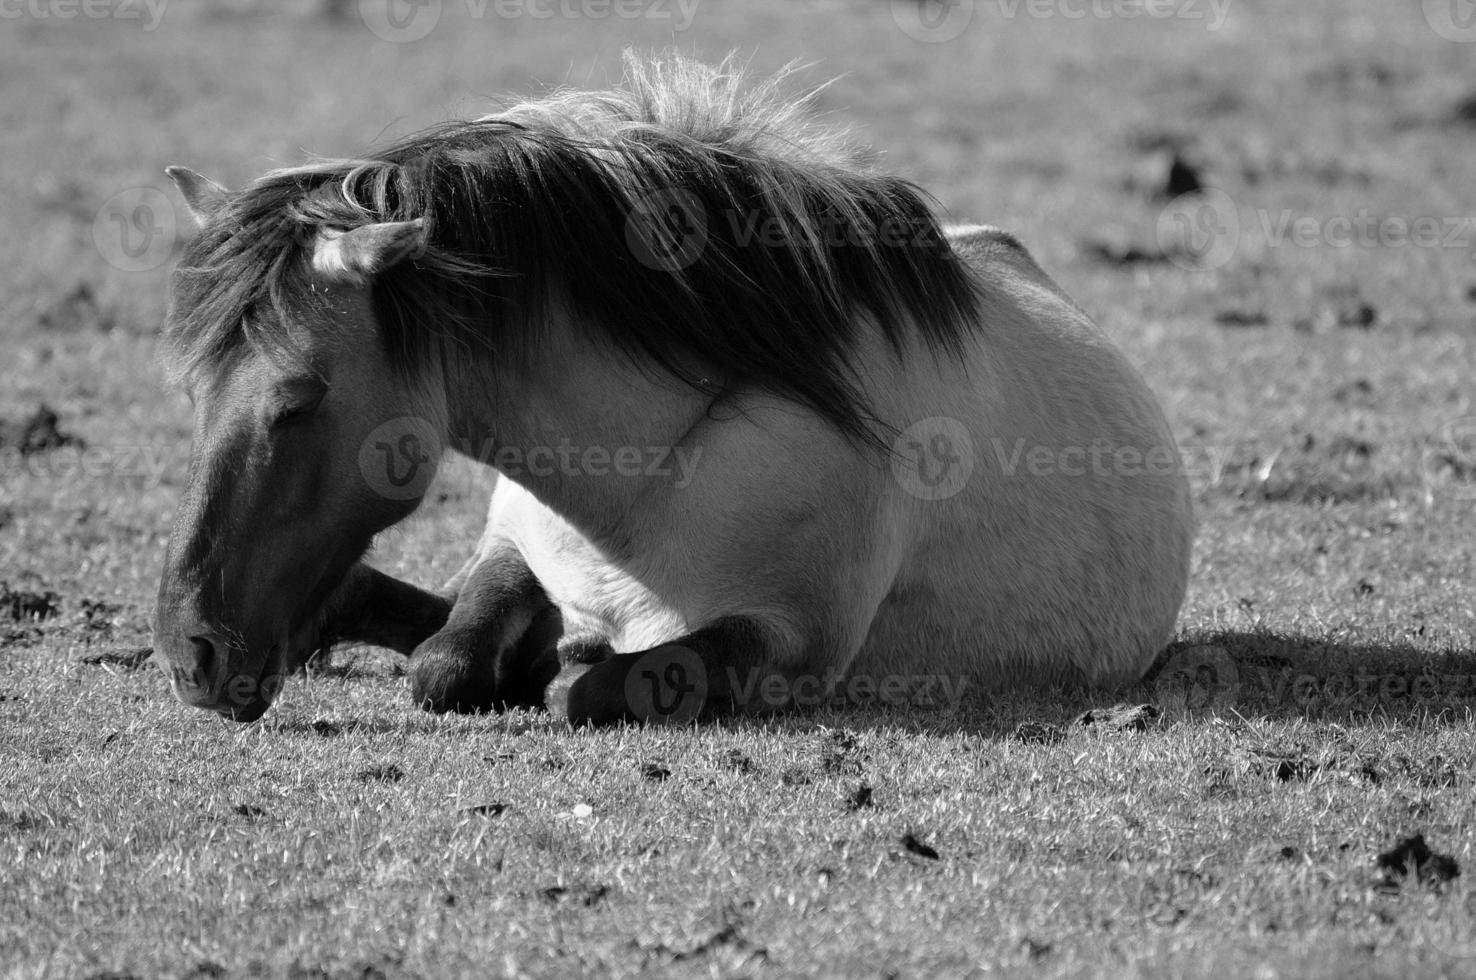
(767, 431)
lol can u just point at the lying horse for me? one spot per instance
(763, 426)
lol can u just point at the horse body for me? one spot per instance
(1020, 576)
(827, 441)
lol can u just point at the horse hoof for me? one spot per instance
(441, 681)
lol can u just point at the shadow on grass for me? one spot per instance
(1264, 674)
(1260, 676)
(1249, 675)
(1234, 675)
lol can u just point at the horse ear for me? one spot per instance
(358, 255)
(203, 196)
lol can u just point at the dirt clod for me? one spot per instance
(655, 772)
(1357, 390)
(1242, 318)
(1123, 253)
(133, 659)
(737, 761)
(1464, 112)
(300, 971)
(796, 776)
(1035, 949)
(389, 773)
(486, 809)
(840, 753)
(23, 606)
(587, 895)
(1120, 717)
(1412, 856)
(1285, 767)
(729, 938)
(38, 433)
(1435, 772)
(1360, 317)
(1182, 178)
(100, 619)
(1038, 733)
(915, 846)
(20, 821)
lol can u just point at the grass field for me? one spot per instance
(1316, 365)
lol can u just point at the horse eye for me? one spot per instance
(297, 405)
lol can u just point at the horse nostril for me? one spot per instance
(204, 666)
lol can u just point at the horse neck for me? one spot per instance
(558, 420)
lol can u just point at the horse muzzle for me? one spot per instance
(206, 671)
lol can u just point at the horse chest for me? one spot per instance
(593, 593)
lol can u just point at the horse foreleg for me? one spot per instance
(721, 669)
(372, 607)
(496, 648)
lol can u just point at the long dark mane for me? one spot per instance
(554, 201)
